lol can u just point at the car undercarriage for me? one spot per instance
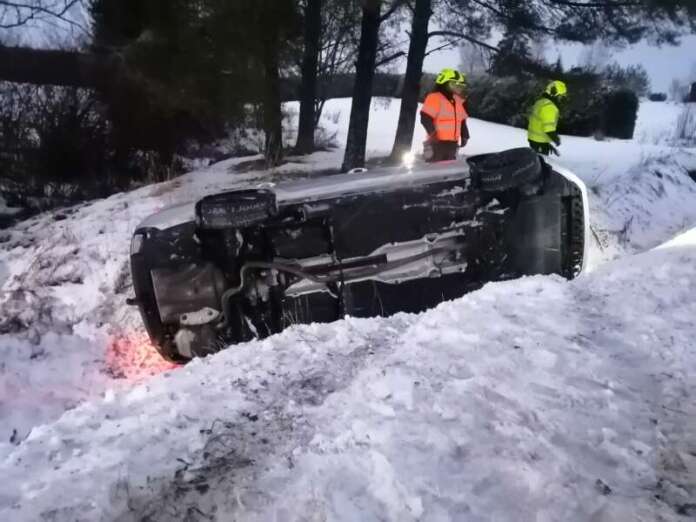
(246, 264)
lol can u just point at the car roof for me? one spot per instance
(326, 187)
(384, 178)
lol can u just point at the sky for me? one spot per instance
(662, 63)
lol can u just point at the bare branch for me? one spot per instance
(391, 58)
(463, 36)
(441, 47)
(396, 4)
(18, 13)
(597, 5)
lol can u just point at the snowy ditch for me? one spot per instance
(645, 206)
(545, 399)
(531, 400)
(66, 333)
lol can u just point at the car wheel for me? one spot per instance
(505, 170)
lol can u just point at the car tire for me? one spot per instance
(575, 232)
(505, 170)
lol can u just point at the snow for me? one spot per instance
(537, 399)
(651, 202)
(71, 277)
(657, 121)
(686, 239)
(6, 210)
(487, 408)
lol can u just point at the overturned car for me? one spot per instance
(246, 264)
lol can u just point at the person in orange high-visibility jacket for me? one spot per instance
(444, 117)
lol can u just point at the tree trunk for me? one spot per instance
(414, 72)
(272, 115)
(308, 92)
(362, 90)
(64, 68)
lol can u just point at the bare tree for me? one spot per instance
(339, 45)
(362, 92)
(372, 18)
(331, 41)
(340, 39)
(21, 12)
(422, 11)
(310, 63)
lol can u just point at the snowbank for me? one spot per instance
(66, 333)
(650, 203)
(529, 400)
(657, 122)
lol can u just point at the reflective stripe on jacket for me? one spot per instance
(542, 120)
(448, 115)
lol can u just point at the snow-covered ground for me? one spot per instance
(657, 121)
(536, 399)
(530, 400)
(6, 210)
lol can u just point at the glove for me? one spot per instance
(463, 143)
(428, 151)
(554, 150)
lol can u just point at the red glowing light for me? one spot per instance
(131, 356)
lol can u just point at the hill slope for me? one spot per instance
(535, 399)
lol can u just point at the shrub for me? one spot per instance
(59, 145)
(591, 109)
(620, 112)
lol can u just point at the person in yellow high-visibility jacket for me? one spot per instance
(542, 131)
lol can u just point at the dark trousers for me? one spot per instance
(542, 148)
(443, 151)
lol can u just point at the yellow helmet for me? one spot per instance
(450, 75)
(556, 88)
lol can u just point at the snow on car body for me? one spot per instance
(247, 264)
